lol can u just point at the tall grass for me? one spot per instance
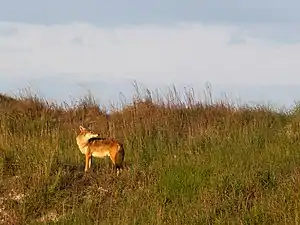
(187, 162)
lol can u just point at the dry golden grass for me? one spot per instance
(188, 163)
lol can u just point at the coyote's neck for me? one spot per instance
(82, 144)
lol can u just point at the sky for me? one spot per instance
(249, 49)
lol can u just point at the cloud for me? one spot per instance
(7, 31)
(77, 41)
(282, 33)
(190, 53)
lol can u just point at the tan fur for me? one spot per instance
(92, 145)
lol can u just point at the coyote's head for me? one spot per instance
(87, 134)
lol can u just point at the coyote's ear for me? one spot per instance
(81, 128)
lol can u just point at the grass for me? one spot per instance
(187, 163)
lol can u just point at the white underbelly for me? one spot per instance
(100, 154)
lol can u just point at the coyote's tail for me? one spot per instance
(119, 157)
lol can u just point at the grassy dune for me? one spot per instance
(187, 163)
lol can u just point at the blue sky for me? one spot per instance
(250, 48)
(107, 13)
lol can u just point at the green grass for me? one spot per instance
(190, 163)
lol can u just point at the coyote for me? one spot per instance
(91, 144)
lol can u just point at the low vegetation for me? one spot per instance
(187, 162)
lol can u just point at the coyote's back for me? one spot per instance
(92, 145)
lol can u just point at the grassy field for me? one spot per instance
(186, 163)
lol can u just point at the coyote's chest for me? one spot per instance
(83, 150)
